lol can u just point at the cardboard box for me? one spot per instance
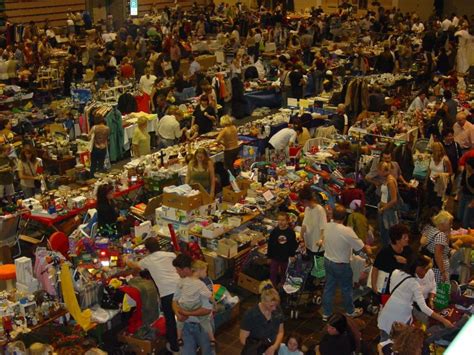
(216, 266)
(174, 214)
(187, 203)
(229, 195)
(143, 346)
(249, 283)
(227, 247)
(213, 230)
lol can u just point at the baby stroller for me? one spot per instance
(294, 287)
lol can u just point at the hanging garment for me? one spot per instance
(135, 321)
(116, 136)
(83, 318)
(150, 299)
(143, 103)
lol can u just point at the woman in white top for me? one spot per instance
(404, 291)
(439, 176)
(388, 205)
(29, 171)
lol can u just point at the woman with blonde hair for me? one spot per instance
(201, 171)
(389, 200)
(261, 329)
(438, 244)
(229, 139)
(438, 177)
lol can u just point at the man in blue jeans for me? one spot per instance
(193, 336)
(339, 242)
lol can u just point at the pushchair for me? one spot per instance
(294, 287)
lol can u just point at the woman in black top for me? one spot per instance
(204, 115)
(340, 338)
(466, 202)
(262, 328)
(107, 212)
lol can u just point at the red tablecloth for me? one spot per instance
(50, 222)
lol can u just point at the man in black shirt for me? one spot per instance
(393, 256)
(452, 148)
(282, 246)
(204, 115)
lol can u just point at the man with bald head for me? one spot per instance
(463, 132)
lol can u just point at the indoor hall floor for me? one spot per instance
(309, 326)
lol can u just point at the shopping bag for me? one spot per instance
(107, 163)
(318, 270)
(443, 292)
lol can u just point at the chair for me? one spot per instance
(9, 232)
(89, 225)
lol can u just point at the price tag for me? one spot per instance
(268, 195)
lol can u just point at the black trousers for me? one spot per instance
(171, 335)
(230, 156)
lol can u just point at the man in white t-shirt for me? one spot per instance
(147, 82)
(314, 222)
(169, 129)
(446, 24)
(283, 138)
(339, 243)
(160, 265)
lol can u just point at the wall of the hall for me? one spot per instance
(424, 8)
(33, 10)
(23, 11)
(460, 7)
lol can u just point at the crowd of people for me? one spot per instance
(438, 52)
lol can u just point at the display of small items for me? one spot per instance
(19, 312)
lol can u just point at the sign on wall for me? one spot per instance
(134, 7)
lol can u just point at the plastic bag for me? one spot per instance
(443, 293)
(318, 270)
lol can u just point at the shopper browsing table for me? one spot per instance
(438, 244)
(204, 115)
(201, 171)
(29, 171)
(389, 199)
(229, 139)
(463, 132)
(160, 265)
(339, 243)
(141, 138)
(262, 329)
(99, 134)
(391, 257)
(284, 138)
(168, 128)
(314, 222)
(404, 291)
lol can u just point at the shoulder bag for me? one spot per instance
(386, 296)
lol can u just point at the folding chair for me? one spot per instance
(9, 232)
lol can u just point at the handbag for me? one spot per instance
(255, 346)
(384, 297)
